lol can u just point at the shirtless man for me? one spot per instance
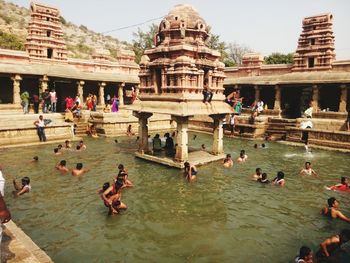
(308, 170)
(227, 162)
(257, 175)
(242, 157)
(61, 166)
(190, 172)
(79, 170)
(56, 151)
(332, 210)
(82, 145)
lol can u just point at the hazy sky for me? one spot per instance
(265, 26)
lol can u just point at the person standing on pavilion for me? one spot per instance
(25, 102)
(53, 100)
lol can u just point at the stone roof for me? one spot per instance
(187, 14)
(65, 71)
(291, 78)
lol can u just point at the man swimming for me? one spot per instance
(228, 162)
(332, 210)
(257, 175)
(61, 166)
(308, 170)
(79, 170)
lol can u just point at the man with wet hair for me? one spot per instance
(79, 170)
(332, 210)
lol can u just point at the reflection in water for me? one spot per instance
(223, 217)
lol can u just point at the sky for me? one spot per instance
(265, 26)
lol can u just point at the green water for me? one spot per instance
(222, 217)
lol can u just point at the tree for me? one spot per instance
(236, 52)
(279, 58)
(11, 41)
(143, 40)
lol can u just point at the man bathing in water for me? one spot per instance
(228, 162)
(190, 172)
(258, 174)
(332, 210)
(61, 166)
(279, 179)
(242, 157)
(308, 170)
(25, 188)
(111, 196)
(263, 179)
(79, 170)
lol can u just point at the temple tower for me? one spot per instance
(174, 74)
(316, 44)
(45, 36)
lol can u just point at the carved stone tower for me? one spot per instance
(45, 36)
(316, 44)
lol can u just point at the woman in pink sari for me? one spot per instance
(115, 104)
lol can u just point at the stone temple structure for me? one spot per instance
(314, 78)
(172, 78)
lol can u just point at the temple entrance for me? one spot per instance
(111, 89)
(30, 84)
(329, 98)
(6, 87)
(90, 87)
(267, 95)
(158, 80)
(63, 88)
(290, 102)
(248, 93)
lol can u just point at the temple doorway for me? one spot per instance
(30, 84)
(111, 89)
(291, 102)
(248, 94)
(6, 87)
(63, 88)
(329, 98)
(267, 95)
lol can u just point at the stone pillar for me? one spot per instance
(163, 79)
(181, 154)
(277, 105)
(257, 93)
(210, 78)
(80, 90)
(44, 81)
(218, 133)
(16, 89)
(101, 93)
(343, 98)
(143, 130)
(121, 93)
(315, 97)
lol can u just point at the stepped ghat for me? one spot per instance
(314, 78)
(173, 76)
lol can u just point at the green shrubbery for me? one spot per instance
(11, 41)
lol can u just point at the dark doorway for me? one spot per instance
(63, 88)
(90, 87)
(311, 62)
(111, 89)
(248, 94)
(290, 102)
(30, 84)
(267, 95)
(49, 52)
(329, 97)
(6, 94)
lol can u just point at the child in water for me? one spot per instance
(25, 188)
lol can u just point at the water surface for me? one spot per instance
(223, 217)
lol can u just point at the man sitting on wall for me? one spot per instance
(207, 93)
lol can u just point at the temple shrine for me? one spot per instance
(173, 75)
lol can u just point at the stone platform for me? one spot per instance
(195, 157)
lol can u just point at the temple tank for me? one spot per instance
(222, 217)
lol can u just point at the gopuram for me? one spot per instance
(173, 76)
(45, 64)
(315, 78)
